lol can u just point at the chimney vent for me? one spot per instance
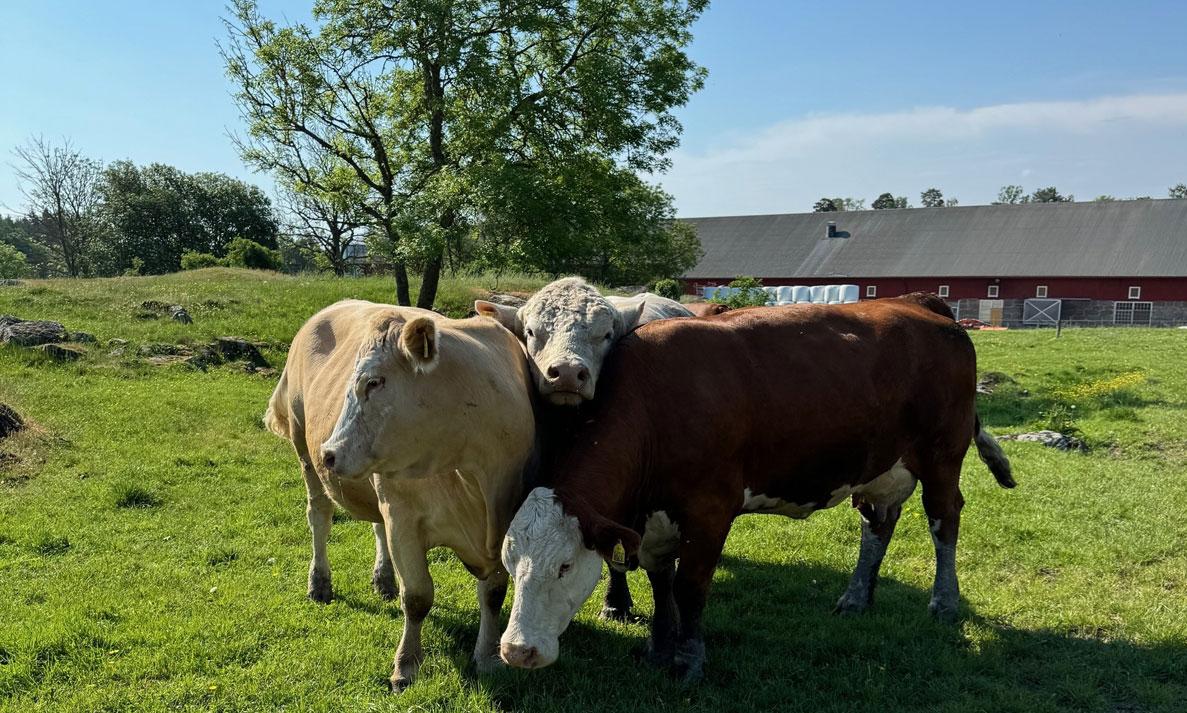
(832, 229)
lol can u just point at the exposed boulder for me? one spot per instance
(61, 352)
(510, 300)
(1051, 439)
(10, 421)
(83, 338)
(236, 349)
(8, 282)
(30, 333)
(152, 309)
(990, 380)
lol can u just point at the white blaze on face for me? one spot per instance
(568, 328)
(348, 452)
(554, 575)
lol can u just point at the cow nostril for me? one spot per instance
(553, 372)
(328, 458)
(583, 374)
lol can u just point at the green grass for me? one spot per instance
(153, 546)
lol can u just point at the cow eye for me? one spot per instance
(564, 570)
(609, 336)
(372, 384)
(530, 332)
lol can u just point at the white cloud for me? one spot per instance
(1121, 145)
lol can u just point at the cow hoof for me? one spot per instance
(689, 664)
(616, 614)
(320, 588)
(385, 586)
(488, 664)
(647, 653)
(943, 612)
(849, 605)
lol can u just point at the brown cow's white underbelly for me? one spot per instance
(891, 487)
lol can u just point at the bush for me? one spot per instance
(672, 289)
(196, 261)
(242, 252)
(750, 294)
(12, 262)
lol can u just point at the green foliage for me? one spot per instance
(825, 205)
(196, 261)
(428, 127)
(157, 213)
(751, 294)
(1011, 195)
(672, 289)
(136, 268)
(12, 262)
(1061, 417)
(888, 201)
(134, 496)
(1050, 195)
(242, 252)
(1178, 191)
(932, 198)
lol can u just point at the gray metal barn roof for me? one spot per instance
(1138, 238)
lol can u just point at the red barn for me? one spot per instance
(1118, 262)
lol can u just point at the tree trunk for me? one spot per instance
(428, 283)
(403, 297)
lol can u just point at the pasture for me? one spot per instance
(153, 544)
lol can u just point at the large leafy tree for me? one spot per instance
(431, 106)
(825, 205)
(20, 234)
(1011, 195)
(888, 201)
(932, 198)
(1050, 195)
(157, 212)
(1178, 191)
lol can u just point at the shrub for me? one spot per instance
(672, 289)
(242, 252)
(192, 260)
(136, 269)
(12, 262)
(750, 294)
(1061, 418)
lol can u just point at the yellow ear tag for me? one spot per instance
(619, 554)
(426, 346)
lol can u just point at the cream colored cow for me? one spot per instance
(421, 425)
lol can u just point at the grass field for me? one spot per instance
(153, 546)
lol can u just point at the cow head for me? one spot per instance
(379, 409)
(556, 563)
(567, 327)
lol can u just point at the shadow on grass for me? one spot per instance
(774, 644)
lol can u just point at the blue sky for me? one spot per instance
(803, 99)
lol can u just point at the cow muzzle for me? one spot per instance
(568, 383)
(524, 656)
(337, 461)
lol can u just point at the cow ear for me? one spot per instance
(504, 315)
(616, 544)
(629, 314)
(420, 343)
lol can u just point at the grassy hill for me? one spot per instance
(153, 546)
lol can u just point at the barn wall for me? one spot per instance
(1010, 288)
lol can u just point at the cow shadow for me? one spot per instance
(773, 644)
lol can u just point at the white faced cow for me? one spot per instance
(421, 425)
(568, 328)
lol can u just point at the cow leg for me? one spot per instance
(617, 606)
(491, 593)
(698, 559)
(665, 622)
(383, 577)
(877, 527)
(416, 598)
(942, 502)
(319, 511)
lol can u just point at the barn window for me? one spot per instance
(871, 290)
(1136, 313)
(1135, 292)
(943, 291)
(992, 292)
(1041, 291)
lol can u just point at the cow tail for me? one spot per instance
(993, 456)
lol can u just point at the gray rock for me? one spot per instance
(509, 300)
(10, 421)
(178, 313)
(117, 342)
(10, 283)
(1051, 439)
(82, 338)
(236, 349)
(61, 352)
(31, 333)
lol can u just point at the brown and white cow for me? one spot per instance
(568, 328)
(422, 425)
(782, 410)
